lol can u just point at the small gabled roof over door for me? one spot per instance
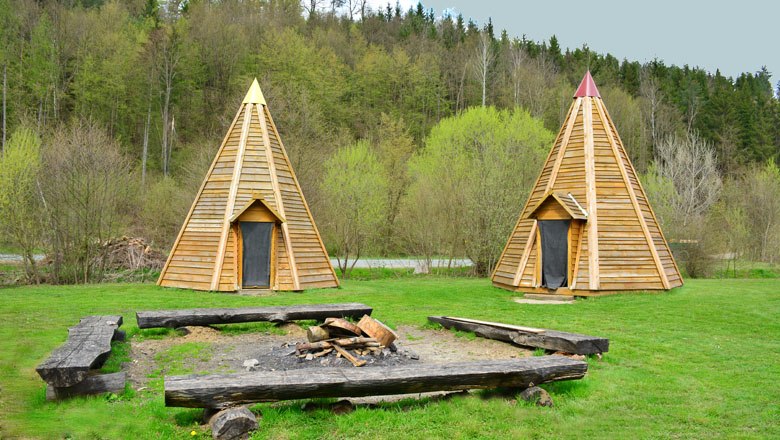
(567, 202)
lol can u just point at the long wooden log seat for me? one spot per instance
(528, 336)
(227, 390)
(202, 317)
(86, 349)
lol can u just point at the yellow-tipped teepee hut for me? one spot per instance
(249, 226)
(587, 227)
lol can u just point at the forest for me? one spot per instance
(411, 132)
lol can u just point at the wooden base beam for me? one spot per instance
(98, 384)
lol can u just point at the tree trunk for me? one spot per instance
(166, 127)
(145, 153)
(484, 81)
(5, 92)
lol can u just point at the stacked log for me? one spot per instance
(337, 334)
(131, 253)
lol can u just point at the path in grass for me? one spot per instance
(701, 361)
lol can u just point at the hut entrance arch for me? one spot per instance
(256, 232)
(559, 220)
(256, 250)
(555, 249)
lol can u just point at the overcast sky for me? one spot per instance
(734, 36)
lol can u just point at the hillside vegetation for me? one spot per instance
(114, 109)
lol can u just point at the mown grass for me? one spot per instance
(701, 361)
(746, 269)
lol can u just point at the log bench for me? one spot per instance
(228, 390)
(203, 317)
(67, 369)
(527, 336)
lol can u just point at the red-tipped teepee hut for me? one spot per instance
(587, 227)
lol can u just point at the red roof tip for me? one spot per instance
(587, 87)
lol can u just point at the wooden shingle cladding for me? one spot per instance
(250, 174)
(615, 243)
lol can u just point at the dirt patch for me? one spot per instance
(444, 346)
(209, 350)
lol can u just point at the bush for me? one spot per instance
(164, 206)
(87, 181)
(469, 183)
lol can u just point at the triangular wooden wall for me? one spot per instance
(251, 163)
(621, 246)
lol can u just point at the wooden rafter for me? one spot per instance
(590, 191)
(564, 144)
(231, 202)
(632, 194)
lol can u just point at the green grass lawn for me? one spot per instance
(702, 361)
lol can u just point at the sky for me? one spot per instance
(733, 36)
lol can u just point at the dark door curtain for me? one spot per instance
(555, 252)
(256, 268)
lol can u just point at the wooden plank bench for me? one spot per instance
(202, 317)
(527, 336)
(226, 390)
(87, 348)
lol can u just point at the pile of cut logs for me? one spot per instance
(130, 253)
(369, 336)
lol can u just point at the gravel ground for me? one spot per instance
(226, 353)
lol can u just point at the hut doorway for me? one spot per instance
(256, 238)
(554, 236)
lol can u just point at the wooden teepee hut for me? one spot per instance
(587, 227)
(249, 226)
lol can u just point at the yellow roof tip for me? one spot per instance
(254, 95)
